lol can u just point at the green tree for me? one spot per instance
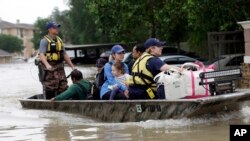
(213, 15)
(40, 31)
(173, 22)
(130, 20)
(63, 18)
(10, 43)
(126, 20)
(95, 21)
(83, 21)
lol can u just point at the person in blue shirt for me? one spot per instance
(117, 53)
(145, 68)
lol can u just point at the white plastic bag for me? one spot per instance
(173, 82)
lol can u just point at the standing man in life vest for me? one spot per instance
(52, 54)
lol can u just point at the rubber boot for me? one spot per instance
(49, 94)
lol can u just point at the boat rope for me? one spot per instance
(31, 67)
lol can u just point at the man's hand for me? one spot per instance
(48, 67)
(52, 99)
(68, 61)
(44, 61)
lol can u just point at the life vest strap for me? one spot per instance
(142, 75)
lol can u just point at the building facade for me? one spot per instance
(5, 57)
(23, 31)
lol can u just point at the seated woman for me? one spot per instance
(118, 71)
(117, 56)
(79, 90)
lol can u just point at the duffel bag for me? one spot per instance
(173, 83)
(192, 80)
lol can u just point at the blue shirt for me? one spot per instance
(111, 79)
(153, 65)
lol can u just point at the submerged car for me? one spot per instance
(176, 51)
(230, 61)
(105, 55)
(127, 57)
(177, 60)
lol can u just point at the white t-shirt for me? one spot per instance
(122, 79)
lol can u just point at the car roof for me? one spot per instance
(232, 55)
(174, 56)
(226, 57)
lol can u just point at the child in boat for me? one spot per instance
(118, 71)
(117, 54)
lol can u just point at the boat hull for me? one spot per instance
(141, 110)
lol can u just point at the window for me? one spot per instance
(236, 61)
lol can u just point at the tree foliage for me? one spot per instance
(40, 31)
(135, 21)
(63, 18)
(127, 20)
(84, 28)
(10, 43)
(213, 15)
(98, 21)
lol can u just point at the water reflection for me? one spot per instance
(19, 81)
(90, 133)
(14, 127)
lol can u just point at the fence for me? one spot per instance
(224, 43)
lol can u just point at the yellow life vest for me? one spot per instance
(54, 49)
(140, 75)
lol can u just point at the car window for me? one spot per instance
(217, 59)
(235, 61)
(127, 58)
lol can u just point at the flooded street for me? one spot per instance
(18, 124)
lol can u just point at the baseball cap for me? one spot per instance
(52, 25)
(117, 49)
(100, 62)
(153, 42)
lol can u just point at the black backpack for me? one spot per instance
(99, 80)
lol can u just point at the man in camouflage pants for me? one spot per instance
(52, 54)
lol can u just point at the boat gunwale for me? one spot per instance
(197, 100)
